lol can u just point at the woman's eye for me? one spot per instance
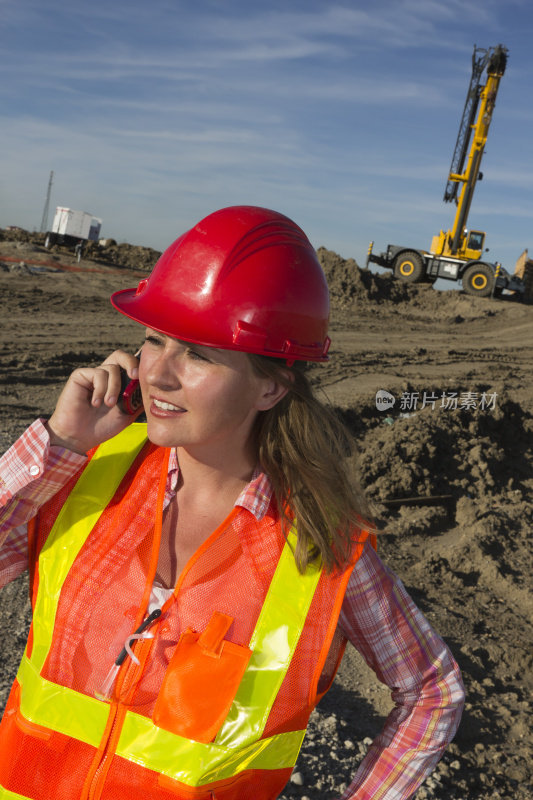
(153, 340)
(196, 356)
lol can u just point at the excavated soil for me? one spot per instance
(448, 468)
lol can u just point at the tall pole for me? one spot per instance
(44, 221)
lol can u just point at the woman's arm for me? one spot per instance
(31, 472)
(48, 454)
(398, 643)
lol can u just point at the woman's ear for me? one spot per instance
(273, 391)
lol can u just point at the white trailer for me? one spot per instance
(77, 224)
(73, 229)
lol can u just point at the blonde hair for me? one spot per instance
(305, 450)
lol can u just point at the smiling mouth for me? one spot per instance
(165, 406)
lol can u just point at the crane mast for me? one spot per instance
(469, 148)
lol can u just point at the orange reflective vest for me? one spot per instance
(215, 701)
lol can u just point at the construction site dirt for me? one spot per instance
(445, 457)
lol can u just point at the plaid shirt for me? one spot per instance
(378, 617)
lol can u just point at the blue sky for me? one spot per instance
(342, 115)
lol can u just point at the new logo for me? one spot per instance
(384, 400)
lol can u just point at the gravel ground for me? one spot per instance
(467, 563)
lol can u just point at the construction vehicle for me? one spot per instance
(457, 254)
(524, 270)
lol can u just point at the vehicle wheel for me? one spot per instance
(478, 280)
(408, 267)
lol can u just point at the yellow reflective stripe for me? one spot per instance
(60, 709)
(195, 764)
(90, 496)
(5, 794)
(273, 643)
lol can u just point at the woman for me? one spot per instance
(195, 579)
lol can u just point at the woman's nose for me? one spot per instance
(162, 372)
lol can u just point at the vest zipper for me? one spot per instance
(97, 784)
(126, 682)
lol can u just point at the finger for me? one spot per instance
(125, 360)
(114, 384)
(100, 380)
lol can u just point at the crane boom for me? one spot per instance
(467, 122)
(469, 147)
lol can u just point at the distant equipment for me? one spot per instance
(524, 270)
(73, 229)
(457, 254)
(44, 221)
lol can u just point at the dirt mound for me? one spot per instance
(108, 252)
(349, 284)
(15, 234)
(123, 255)
(438, 450)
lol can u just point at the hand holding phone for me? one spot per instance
(130, 399)
(96, 403)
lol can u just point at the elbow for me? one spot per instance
(447, 696)
(443, 695)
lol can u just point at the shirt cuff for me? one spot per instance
(31, 457)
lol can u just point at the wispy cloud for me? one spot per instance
(344, 114)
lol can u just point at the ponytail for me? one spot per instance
(305, 450)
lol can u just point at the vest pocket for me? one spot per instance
(31, 729)
(201, 681)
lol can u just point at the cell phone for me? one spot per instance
(130, 399)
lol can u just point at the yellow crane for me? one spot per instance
(474, 127)
(457, 254)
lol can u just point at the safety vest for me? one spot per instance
(226, 677)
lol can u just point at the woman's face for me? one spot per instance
(200, 398)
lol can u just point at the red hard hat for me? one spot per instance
(244, 278)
